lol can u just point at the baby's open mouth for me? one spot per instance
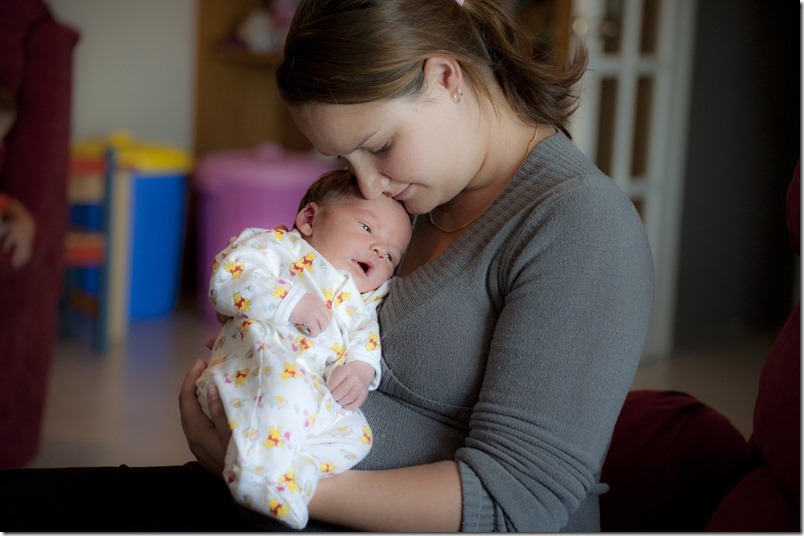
(363, 266)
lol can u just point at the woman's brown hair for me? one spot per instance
(357, 51)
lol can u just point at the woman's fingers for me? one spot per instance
(188, 403)
(207, 438)
(222, 318)
(218, 414)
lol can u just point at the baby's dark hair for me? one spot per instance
(331, 186)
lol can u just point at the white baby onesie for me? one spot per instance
(288, 431)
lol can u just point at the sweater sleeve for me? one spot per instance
(562, 357)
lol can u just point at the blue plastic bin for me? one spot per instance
(152, 180)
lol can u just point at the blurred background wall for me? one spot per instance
(134, 67)
(737, 270)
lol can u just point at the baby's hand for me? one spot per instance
(312, 313)
(349, 383)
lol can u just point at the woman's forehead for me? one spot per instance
(340, 129)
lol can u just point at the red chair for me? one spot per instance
(36, 54)
(677, 465)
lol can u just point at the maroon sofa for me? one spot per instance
(677, 465)
(36, 55)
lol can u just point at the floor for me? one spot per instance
(121, 407)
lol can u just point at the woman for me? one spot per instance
(512, 333)
(513, 330)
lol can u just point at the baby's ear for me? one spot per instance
(305, 218)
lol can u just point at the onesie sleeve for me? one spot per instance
(248, 277)
(578, 296)
(364, 340)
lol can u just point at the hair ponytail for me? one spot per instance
(535, 87)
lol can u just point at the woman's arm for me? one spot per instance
(422, 498)
(411, 499)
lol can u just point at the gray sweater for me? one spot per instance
(512, 352)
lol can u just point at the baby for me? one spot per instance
(302, 351)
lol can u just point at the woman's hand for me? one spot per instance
(207, 438)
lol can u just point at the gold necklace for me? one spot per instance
(473, 220)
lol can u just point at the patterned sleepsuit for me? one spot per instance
(287, 429)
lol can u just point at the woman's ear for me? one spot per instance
(306, 217)
(445, 73)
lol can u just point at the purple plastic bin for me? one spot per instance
(247, 188)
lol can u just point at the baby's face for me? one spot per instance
(365, 237)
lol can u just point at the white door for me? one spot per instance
(633, 122)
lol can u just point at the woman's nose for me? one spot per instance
(372, 183)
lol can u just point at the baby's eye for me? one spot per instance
(390, 257)
(366, 227)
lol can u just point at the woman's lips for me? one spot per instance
(402, 196)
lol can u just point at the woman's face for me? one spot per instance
(422, 152)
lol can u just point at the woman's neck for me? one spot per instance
(510, 141)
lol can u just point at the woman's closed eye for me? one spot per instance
(381, 151)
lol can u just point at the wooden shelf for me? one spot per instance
(237, 102)
(240, 54)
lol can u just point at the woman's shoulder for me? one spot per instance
(558, 172)
(559, 199)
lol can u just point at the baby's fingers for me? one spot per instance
(352, 399)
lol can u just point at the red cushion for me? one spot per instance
(777, 414)
(756, 504)
(769, 499)
(671, 461)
